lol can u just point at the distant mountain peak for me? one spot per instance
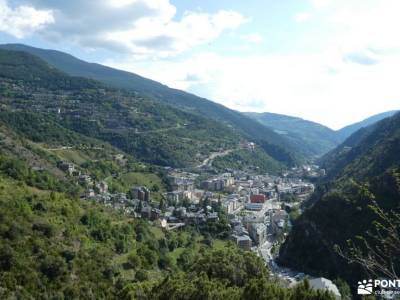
(314, 138)
(348, 130)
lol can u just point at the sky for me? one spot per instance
(334, 62)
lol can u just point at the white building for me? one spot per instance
(258, 232)
(254, 206)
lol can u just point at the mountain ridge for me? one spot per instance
(316, 139)
(348, 130)
(31, 90)
(274, 144)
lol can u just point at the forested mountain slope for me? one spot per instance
(39, 102)
(361, 194)
(275, 145)
(347, 131)
(367, 151)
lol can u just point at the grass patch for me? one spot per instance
(220, 244)
(125, 181)
(75, 156)
(146, 179)
(176, 253)
(158, 233)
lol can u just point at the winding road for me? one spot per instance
(208, 161)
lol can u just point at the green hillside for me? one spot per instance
(48, 106)
(356, 204)
(54, 245)
(313, 138)
(247, 160)
(367, 151)
(275, 145)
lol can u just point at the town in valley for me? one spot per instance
(260, 208)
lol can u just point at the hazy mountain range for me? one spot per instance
(314, 138)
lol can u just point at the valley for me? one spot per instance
(360, 196)
(113, 186)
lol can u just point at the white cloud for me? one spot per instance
(150, 36)
(22, 20)
(302, 17)
(255, 38)
(321, 3)
(320, 87)
(352, 76)
(366, 25)
(145, 28)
